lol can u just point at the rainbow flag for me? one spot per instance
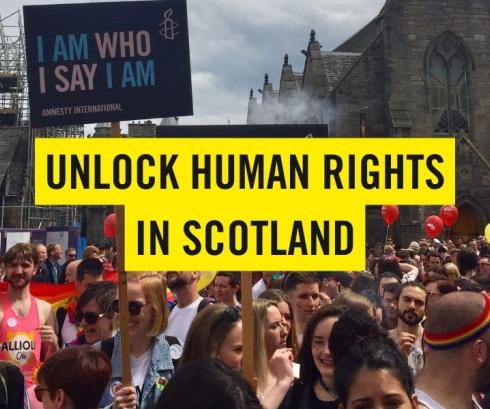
(58, 295)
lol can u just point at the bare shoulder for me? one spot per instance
(45, 310)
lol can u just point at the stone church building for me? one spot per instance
(419, 68)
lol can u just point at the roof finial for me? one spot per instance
(266, 78)
(286, 59)
(312, 36)
(251, 93)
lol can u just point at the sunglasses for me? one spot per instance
(89, 317)
(133, 306)
(38, 391)
(230, 314)
(72, 255)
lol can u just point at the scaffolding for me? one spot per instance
(14, 105)
(14, 111)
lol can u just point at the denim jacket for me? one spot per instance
(159, 373)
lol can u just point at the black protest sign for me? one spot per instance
(103, 62)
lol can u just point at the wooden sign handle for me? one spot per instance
(123, 284)
(248, 329)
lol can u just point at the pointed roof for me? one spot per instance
(337, 64)
(361, 40)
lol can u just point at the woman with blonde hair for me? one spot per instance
(285, 307)
(216, 332)
(151, 362)
(272, 359)
(452, 271)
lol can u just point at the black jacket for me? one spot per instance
(300, 396)
(45, 275)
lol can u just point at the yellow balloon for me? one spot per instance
(487, 232)
(207, 278)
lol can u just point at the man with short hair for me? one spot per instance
(71, 271)
(27, 323)
(433, 261)
(473, 246)
(484, 270)
(70, 255)
(73, 378)
(226, 287)
(385, 279)
(90, 270)
(50, 271)
(304, 291)
(67, 329)
(332, 283)
(389, 303)
(411, 307)
(183, 285)
(42, 252)
(458, 357)
(467, 262)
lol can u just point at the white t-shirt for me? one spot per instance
(416, 357)
(139, 368)
(258, 288)
(68, 331)
(180, 320)
(426, 400)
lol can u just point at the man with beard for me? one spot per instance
(183, 285)
(411, 306)
(27, 336)
(458, 352)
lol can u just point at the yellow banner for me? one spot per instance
(245, 204)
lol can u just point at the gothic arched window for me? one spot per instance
(448, 75)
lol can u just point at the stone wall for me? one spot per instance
(363, 89)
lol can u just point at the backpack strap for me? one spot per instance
(204, 302)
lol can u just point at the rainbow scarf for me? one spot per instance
(460, 336)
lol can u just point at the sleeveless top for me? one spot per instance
(20, 341)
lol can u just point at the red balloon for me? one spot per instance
(389, 213)
(433, 226)
(110, 225)
(449, 214)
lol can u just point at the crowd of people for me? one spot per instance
(411, 331)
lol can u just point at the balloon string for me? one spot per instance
(387, 230)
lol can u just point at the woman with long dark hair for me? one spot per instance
(315, 388)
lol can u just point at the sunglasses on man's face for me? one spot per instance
(38, 391)
(72, 255)
(89, 317)
(133, 306)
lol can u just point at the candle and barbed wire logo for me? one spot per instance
(168, 26)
